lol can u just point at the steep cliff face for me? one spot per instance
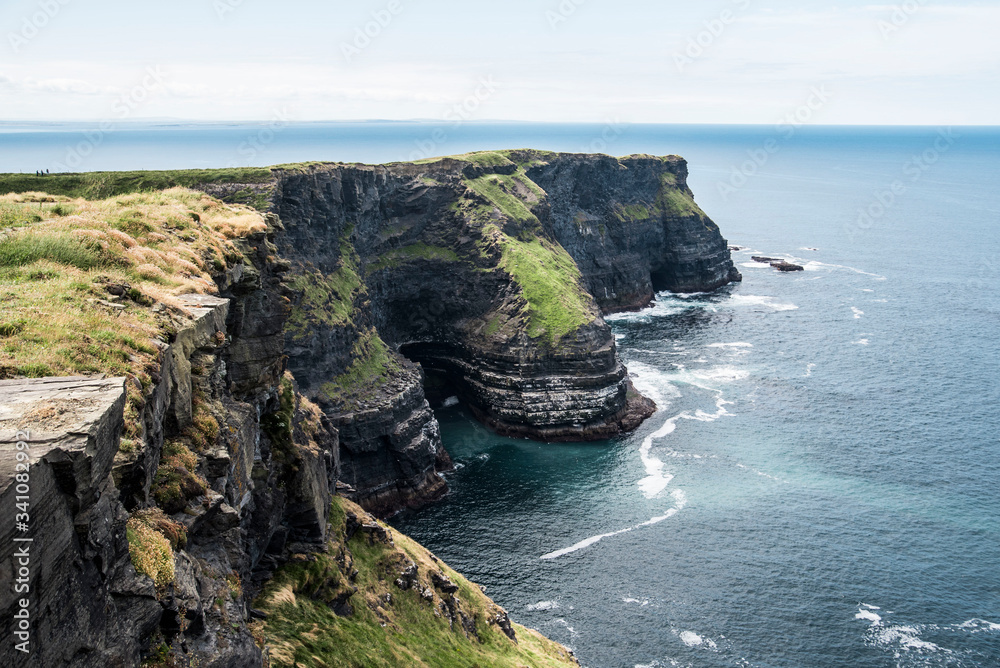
(632, 226)
(491, 270)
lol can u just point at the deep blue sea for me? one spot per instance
(821, 483)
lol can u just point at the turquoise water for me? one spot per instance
(820, 484)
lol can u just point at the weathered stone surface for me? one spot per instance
(87, 605)
(612, 217)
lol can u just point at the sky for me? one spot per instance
(719, 61)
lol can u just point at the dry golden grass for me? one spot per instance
(150, 551)
(58, 257)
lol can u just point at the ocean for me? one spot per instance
(820, 484)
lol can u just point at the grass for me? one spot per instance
(102, 185)
(557, 303)
(326, 300)
(413, 252)
(510, 194)
(150, 551)
(635, 212)
(373, 364)
(673, 200)
(278, 426)
(56, 273)
(390, 626)
(480, 158)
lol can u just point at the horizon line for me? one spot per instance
(426, 121)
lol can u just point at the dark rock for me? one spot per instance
(787, 266)
(443, 583)
(766, 260)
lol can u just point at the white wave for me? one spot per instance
(726, 374)
(643, 603)
(738, 344)
(755, 265)
(653, 383)
(760, 473)
(450, 401)
(813, 265)
(692, 639)
(544, 605)
(809, 249)
(857, 312)
(656, 480)
(869, 615)
(870, 607)
(569, 628)
(659, 309)
(761, 300)
(867, 290)
(905, 637)
(976, 625)
(862, 342)
(809, 369)
(680, 500)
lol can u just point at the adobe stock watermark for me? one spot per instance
(121, 109)
(21, 566)
(454, 116)
(987, 272)
(225, 7)
(884, 199)
(370, 31)
(714, 28)
(784, 130)
(900, 16)
(256, 143)
(613, 129)
(562, 12)
(32, 26)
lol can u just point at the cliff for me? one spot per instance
(257, 364)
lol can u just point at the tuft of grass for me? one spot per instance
(150, 551)
(176, 482)
(635, 212)
(278, 426)
(59, 247)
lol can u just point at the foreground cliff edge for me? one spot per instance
(257, 359)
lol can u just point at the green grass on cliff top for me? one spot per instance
(390, 627)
